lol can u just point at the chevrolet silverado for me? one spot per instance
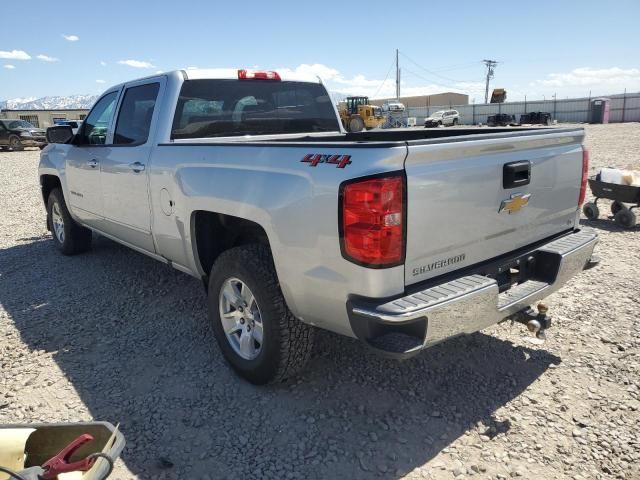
(246, 180)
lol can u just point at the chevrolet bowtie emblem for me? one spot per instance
(514, 203)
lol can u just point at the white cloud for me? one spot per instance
(359, 84)
(159, 71)
(15, 55)
(71, 38)
(579, 81)
(100, 81)
(9, 67)
(46, 58)
(136, 63)
(103, 63)
(192, 68)
(312, 71)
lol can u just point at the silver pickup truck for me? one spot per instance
(246, 180)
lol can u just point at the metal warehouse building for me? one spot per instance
(442, 99)
(44, 118)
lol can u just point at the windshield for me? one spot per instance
(437, 114)
(222, 108)
(20, 124)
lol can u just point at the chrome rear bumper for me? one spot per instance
(404, 326)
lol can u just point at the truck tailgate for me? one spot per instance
(455, 192)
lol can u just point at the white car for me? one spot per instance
(392, 107)
(442, 117)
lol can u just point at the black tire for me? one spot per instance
(455, 122)
(591, 210)
(286, 341)
(15, 144)
(75, 238)
(356, 124)
(616, 207)
(625, 218)
(439, 124)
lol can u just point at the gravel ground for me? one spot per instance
(113, 335)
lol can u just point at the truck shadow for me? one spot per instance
(131, 336)
(608, 224)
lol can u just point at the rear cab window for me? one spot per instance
(222, 108)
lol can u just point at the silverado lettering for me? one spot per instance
(438, 264)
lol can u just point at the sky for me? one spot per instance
(544, 48)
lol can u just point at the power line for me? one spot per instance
(385, 78)
(441, 84)
(491, 65)
(432, 72)
(459, 66)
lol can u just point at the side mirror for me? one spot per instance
(59, 134)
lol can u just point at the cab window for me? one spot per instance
(97, 122)
(136, 112)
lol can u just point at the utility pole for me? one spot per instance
(397, 77)
(491, 65)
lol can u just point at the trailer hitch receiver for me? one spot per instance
(536, 323)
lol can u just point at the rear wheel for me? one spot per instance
(591, 211)
(616, 207)
(625, 218)
(256, 332)
(69, 236)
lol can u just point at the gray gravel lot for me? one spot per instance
(113, 335)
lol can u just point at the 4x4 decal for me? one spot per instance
(313, 159)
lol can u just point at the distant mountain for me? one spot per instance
(49, 103)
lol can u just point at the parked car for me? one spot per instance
(74, 124)
(17, 134)
(292, 223)
(393, 107)
(443, 117)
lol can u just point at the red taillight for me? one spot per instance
(372, 224)
(585, 176)
(257, 75)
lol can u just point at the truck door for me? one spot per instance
(82, 167)
(124, 167)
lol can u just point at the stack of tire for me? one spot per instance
(536, 118)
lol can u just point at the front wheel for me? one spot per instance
(15, 144)
(616, 206)
(356, 124)
(69, 236)
(455, 122)
(591, 210)
(258, 335)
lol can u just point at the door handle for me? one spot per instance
(136, 167)
(93, 163)
(516, 174)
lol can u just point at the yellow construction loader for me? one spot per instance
(357, 114)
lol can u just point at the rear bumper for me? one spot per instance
(403, 326)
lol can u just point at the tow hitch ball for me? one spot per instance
(536, 323)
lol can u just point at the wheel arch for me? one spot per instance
(48, 183)
(213, 233)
